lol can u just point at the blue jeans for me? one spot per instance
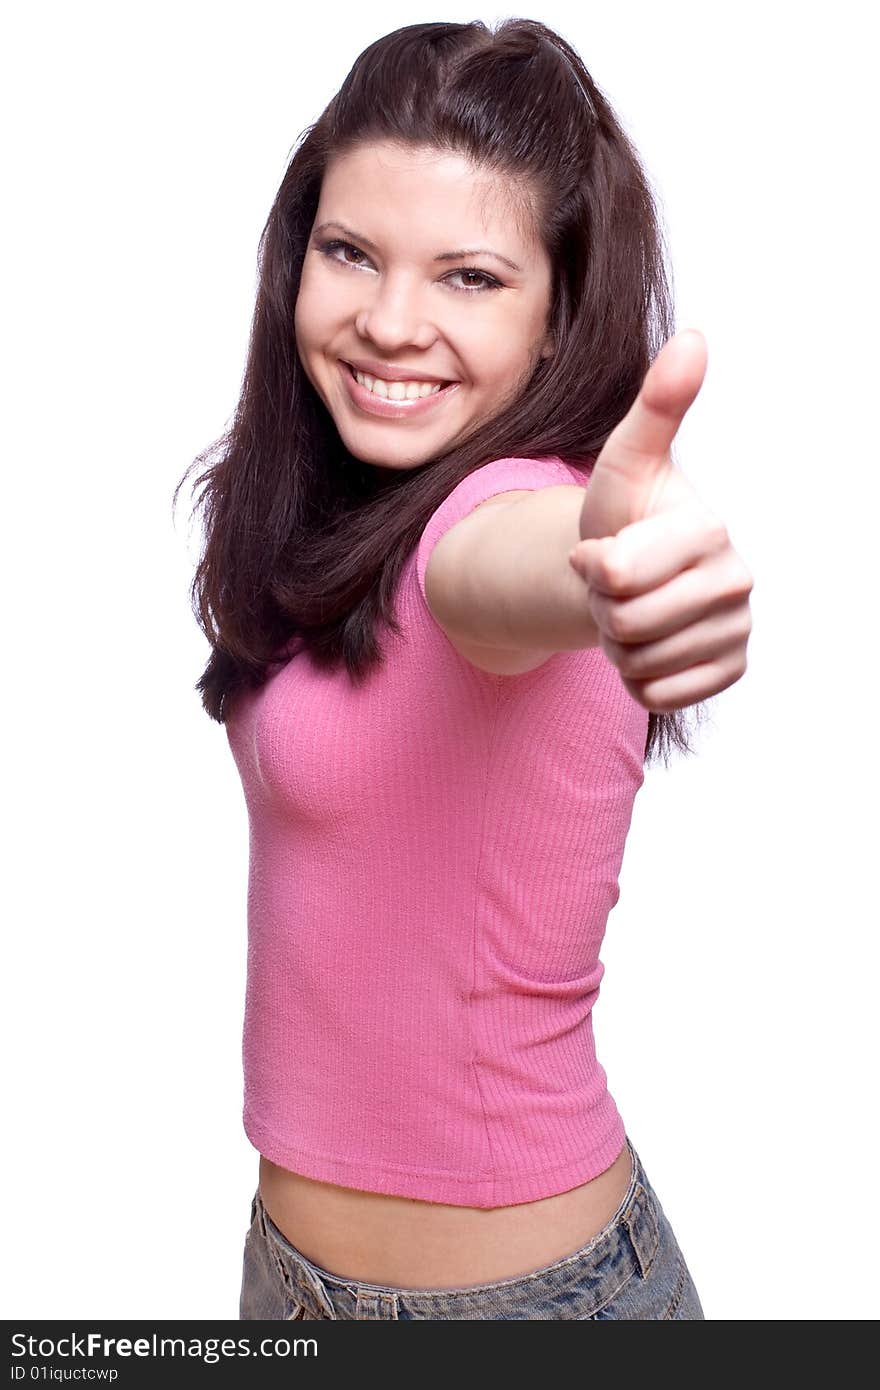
(632, 1268)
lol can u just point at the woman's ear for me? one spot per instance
(549, 346)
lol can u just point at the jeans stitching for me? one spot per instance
(611, 1297)
(679, 1290)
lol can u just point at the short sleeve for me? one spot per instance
(501, 475)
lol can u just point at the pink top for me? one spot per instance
(433, 857)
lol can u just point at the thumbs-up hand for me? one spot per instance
(666, 589)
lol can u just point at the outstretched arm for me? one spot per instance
(635, 562)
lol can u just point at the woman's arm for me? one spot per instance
(635, 563)
(500, 585)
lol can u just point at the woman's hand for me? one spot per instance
(667, 591)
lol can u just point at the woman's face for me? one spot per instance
(381, 285)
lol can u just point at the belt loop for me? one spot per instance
(375, 1305)
(643, 1226)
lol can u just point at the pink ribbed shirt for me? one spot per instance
(433, 858)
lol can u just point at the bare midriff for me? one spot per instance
(401, 1241)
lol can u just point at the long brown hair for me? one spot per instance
(302, 540)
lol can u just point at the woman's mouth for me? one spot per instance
(398, 405)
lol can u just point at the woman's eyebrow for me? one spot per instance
(444, 255)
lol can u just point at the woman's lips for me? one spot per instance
(391, 410)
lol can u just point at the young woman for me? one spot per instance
(457, 595)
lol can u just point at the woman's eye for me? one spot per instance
(488, 282)
(329, 249)
(347, 247)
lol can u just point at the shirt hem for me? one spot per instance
(498, 1190)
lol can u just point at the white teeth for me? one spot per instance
(398, 390)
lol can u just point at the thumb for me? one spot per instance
(633, 465)
(646, 432)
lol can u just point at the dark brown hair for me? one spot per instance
(302, 540)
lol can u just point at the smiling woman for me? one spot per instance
(436, 831)
(406, 304)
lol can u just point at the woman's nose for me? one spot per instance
(395, 314)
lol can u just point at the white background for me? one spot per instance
(143, 146)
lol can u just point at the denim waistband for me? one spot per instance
(580, 1280)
